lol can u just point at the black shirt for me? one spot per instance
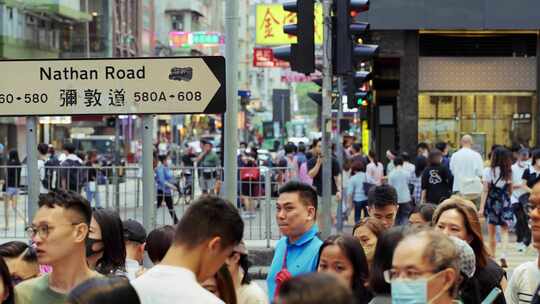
(536, 298)
(317, 180)
(530, 177)
(488, 278)
(437, 181)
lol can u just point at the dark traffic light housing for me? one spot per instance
(357, 97)
(302, 54)
(346, 51)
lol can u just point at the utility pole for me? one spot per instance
(339, 151)
(326, 124)
(231, 124)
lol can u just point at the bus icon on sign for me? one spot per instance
(180, 74)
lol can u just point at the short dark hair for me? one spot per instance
(43, 148)
(158, 242)
(290, 148)
(69, 147)
(382, 196)
(405, 156)
(422, 145)
(69, 200)
(208, 217)
(425, 210)
(112, 236)
(434, 157)
(441, 145)
(315, 288)
(398, 161)
(162, 157)
(104, 290)
(15, 249)
(357, 147)
(307, 193)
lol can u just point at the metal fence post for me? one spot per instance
(148, 174)
(268, 202)
(32, 179)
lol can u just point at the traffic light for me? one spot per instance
(346, 33)
(301, 55)
(358, 92)
(317, 97)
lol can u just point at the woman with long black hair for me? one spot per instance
(343, 255)
(105, 246)
(495, 199)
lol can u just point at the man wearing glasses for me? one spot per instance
(526, 277)
(59, 231)
(424, 269)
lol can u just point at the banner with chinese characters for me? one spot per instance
(264, 58)
(271, 18)
(54, 87)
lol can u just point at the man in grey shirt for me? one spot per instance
(399, 179)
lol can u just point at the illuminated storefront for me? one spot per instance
(501, 118)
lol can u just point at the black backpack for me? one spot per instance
(51, 179)
(74, 175)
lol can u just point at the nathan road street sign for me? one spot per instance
(112, 86)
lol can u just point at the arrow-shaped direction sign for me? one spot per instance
(159, 85)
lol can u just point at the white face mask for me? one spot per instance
(169, 162)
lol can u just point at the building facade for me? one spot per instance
(448, 69)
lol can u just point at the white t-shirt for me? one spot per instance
(517, 179)
(409, 167)
(399, 179)
(251, 294)
(132, 267)
(41, 169)
(492, 175)
(169, 285)
(523, 283)
(465, 164)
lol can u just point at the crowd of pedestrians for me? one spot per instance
(417, 237)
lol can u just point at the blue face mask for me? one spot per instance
(409, 291)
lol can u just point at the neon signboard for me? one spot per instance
(189, 39)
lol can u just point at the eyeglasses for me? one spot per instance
(42, 230)
(410, 274)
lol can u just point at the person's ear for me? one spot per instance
(312, 213)
(450, 277)
(81, 232)
(214, 245)
(142, 247)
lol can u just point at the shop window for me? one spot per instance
(490, 118)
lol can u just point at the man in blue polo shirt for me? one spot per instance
(298, 251)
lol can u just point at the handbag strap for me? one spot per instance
(284, 265)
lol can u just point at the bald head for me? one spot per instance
(466, 141)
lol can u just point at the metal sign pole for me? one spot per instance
(339, 151)
(231, 124)
(326, 125)
(148, 173)
(32, 166)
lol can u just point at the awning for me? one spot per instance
(58, 10)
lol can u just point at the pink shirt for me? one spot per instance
(375, 173)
